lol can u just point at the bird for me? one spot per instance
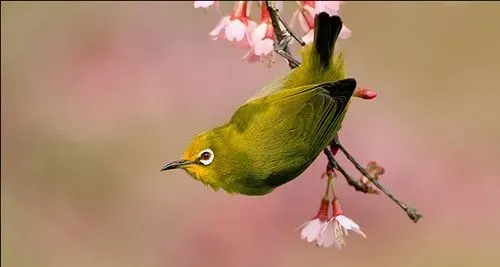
(277, 134)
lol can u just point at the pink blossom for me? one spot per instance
(236, 26)
(261, 38)
(330, 7)
(306, 12)
(334, 231)
(311, 229)
(305, 15)
(206, 4)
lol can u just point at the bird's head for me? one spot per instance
(201, 159)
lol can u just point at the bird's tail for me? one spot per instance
(326, 32)
(319, 63)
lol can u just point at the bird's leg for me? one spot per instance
(411, 212)
(291, 60)
(282, 47)
(276, 20)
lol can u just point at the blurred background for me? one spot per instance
(97, 97)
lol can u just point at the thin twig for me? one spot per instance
(411, 212)
(289, 31)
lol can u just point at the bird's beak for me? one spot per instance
(176, 164)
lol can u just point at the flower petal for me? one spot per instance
(251, 25)
(349, 224)
(235, 30)
(330, 7)
(246, 42)
(251, 57)
(203, 4)
(309, 9)
(345, 32)
(311, 230)
(217, 30)
(309, 37)
(346, 222)
(264, 47)
(259, 33)
(326, 235)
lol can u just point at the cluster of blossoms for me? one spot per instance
(327, 231)
(259, 38)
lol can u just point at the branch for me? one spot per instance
(358, 185)
(289, 31)
(411, 212)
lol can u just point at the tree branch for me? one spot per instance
(358, 185)
(411, 212)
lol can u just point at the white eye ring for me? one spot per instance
(209, 160)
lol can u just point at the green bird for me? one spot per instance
(277, 134)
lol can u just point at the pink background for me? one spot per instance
(96, 97)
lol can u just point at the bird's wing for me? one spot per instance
(270, 88)
(292, 126)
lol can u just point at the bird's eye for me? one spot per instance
(206, 156)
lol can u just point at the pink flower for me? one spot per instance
(330, 7)
(311, 229)
(206, 4)
(306, 12)
(236, 26)
(305, 15)
(334, 231)
(261, 38)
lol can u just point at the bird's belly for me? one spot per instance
(253, 184)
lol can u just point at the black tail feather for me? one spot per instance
(341, 89)
(326, 32)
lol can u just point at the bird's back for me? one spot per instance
(281, 134)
